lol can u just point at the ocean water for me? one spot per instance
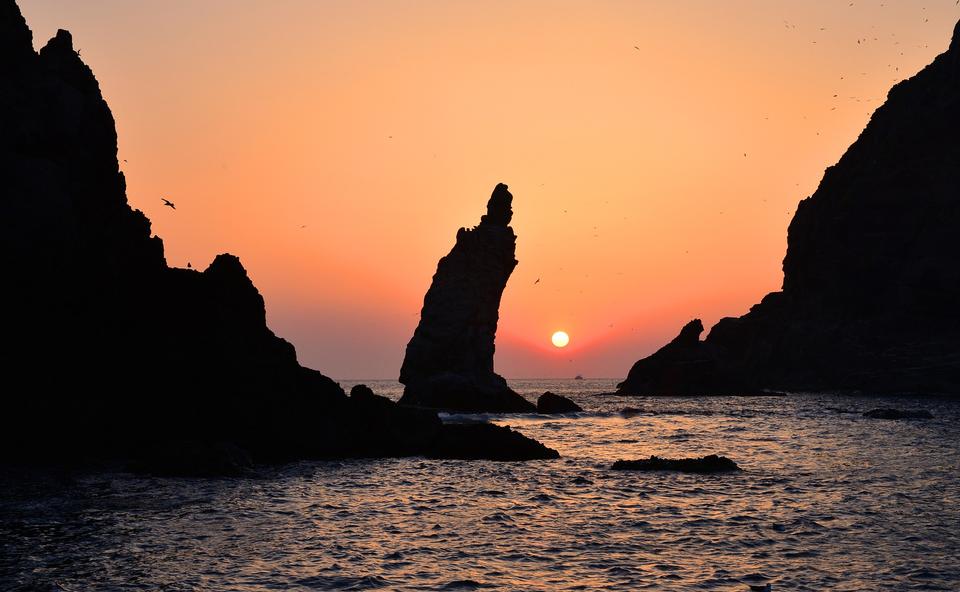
(828, 500)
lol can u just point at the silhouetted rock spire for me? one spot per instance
(449, 360)
(499, 209)
(871, 282)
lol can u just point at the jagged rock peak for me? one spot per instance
(227, 264)
(499, 211)
(690, 334)
(16, 40)
(955, 43)
(61, 42)
(60, 55)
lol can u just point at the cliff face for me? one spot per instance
(103, 343)
(107, 353)
(871, 283)
(449, 360)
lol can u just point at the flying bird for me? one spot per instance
(167, 202)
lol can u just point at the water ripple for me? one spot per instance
(827, 500)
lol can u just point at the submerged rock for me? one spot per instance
(449, 360)
(870, 283)
(550, 404)
(705, 464)
(475, 441)
(887, 413)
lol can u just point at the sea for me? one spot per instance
(827, 500)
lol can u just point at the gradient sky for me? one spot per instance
(655, 150)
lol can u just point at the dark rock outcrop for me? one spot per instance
(705, 464)
(181, 458)
(106, 349)
(449, 360)
(684, 366)
(475, 441)
(871, 284)
(109, 353)
(387, 426)
(886, 413)
(549, 404)
(407, 431)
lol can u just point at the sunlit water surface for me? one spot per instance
(828, 500)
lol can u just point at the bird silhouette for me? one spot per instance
(167, 202)
(536, 282)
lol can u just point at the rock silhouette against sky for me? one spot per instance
(449, 360)
(871, 281)
(107, 352)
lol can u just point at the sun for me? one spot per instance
(560, 339)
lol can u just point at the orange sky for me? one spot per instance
(634, 201)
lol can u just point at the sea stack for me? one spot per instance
(871, 281)
(449, 360)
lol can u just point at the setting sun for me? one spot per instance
(560, 339)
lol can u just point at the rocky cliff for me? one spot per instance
(871, 282)
(449, 360)
(107, 352)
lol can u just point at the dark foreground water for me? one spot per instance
(828, 500)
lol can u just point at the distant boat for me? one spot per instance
(578, 377)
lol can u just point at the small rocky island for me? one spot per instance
(870, 278)
(111, 355)
(711, 463)
(449, 360)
